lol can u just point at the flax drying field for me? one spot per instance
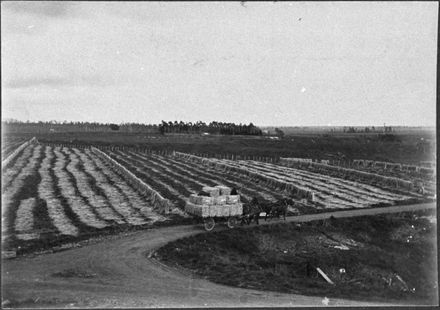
(56, 193)
(59, 194)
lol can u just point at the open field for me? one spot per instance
(377, 258)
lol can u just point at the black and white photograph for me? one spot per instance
(209, 154)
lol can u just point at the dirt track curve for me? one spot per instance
(122, 275)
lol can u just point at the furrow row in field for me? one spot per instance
(356, 187)
(332, 197)
(247, 188)
(199, 181)
(270, 184)
(24, 220)
(46, 192)
(11, 196)
(135, 201)
(10, 146)
(327, 191)
(98, 202)
(184, 188)
(321, 193)
(333, 194)
(168, 169)
(164, 170)
(189, 183)
(16, 153)
(12, 172)
(297, 191)
(210, 179)
(150, 178)
(114, 195)
(70, 192)
(194, 179)
(335, 191)
(390, 183)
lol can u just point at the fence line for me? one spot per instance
(166, 152)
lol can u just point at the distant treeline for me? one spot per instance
(16, 126)
(211, 128)
(54, 126)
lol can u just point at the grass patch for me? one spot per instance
(371, 254)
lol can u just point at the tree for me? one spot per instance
(114, 127)
(279, 132)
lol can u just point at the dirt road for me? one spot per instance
(116, 272)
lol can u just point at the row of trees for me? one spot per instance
(212, 128)
(368, 129)
(54, 126)
(12, 125)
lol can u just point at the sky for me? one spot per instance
(270, 63)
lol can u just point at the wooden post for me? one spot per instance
(324, 276)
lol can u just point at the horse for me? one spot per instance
(280, 208)
(251, 211)
(267, 209)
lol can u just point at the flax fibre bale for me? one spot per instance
(214, 211)
(201, 200)
(220, 200)
(232, 199)
(212, 191)
(235, 209)
(198, 210)
(219, 210)
(224, 190)
(224, 210)
(205, 200)
(202, 210)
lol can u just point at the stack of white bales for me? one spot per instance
(219, 203)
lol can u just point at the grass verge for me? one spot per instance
(378, 258)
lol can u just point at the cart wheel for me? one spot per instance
(209, 224)
(232, 222)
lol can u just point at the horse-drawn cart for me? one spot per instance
(217, 205)
(210, 216)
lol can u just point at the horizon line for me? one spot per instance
(207, 122)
